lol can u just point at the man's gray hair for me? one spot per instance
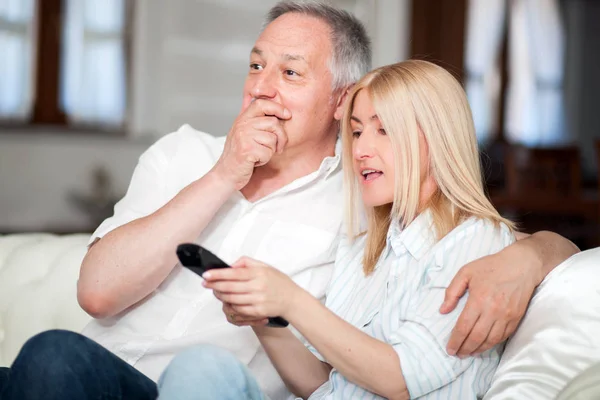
(351, 57)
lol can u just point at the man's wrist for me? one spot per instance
(220, 182)
(530, 253)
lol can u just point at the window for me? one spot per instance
(16, 47)
(64, 62)
(534, 105)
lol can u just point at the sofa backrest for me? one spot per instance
(38, 287)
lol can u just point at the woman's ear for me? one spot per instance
(341, 102)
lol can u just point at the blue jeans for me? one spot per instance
(62, 365)
(207, 372)
(4, 372)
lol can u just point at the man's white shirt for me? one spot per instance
(294, 229)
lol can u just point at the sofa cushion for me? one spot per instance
(559, 336)
(38, 287)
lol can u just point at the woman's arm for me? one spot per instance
(256, 290)
(300, 369)
(360, 358)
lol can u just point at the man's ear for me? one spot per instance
(341, 102)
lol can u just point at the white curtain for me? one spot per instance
(93, 71)
(485, 27)
(535, 110)
(16, 58)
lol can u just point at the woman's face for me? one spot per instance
(373, 160)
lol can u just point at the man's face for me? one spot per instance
(289, 65)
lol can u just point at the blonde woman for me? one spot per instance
(410, 154)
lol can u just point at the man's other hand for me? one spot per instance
(256, 135)
(500, 287)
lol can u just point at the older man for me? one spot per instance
(272, 191)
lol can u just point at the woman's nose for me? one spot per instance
(362, 146)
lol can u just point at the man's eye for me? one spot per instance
(256, 66)
(290, 72)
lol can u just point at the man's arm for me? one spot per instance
(132, 260)
(500, 287)
(550, 248)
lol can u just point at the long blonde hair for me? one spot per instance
(412, 98)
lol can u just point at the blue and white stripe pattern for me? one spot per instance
(399, 304)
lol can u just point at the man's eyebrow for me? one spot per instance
(287, 57)
(257, 51)
(294, 57)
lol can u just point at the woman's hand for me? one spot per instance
(235, 318)
(252, 291)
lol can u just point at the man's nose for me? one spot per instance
(265, 85)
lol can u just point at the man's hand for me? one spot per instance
(500, 287)
(256, 135)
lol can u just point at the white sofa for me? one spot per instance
(558, 338)
(38, 286)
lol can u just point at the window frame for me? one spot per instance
(46, 114)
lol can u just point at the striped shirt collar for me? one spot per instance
(417, 238)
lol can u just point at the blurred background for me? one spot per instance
(87, 85)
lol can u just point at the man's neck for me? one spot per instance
(286, 168)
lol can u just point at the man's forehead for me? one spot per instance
(285, 55)
(293, 35)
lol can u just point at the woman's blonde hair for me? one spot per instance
(412, 98)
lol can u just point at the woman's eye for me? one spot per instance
(356, 133)
(382, 131)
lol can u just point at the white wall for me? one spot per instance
(38, 171)
(191, 56)
(189, 62)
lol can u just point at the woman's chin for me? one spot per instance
(371, 201)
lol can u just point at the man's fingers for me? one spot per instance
(477, 337)
(272, 125)
(260, 155)
(456, 289)
(467, 320)
(266, 138)
(262, 107)
(511, 327)
(496, 336)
